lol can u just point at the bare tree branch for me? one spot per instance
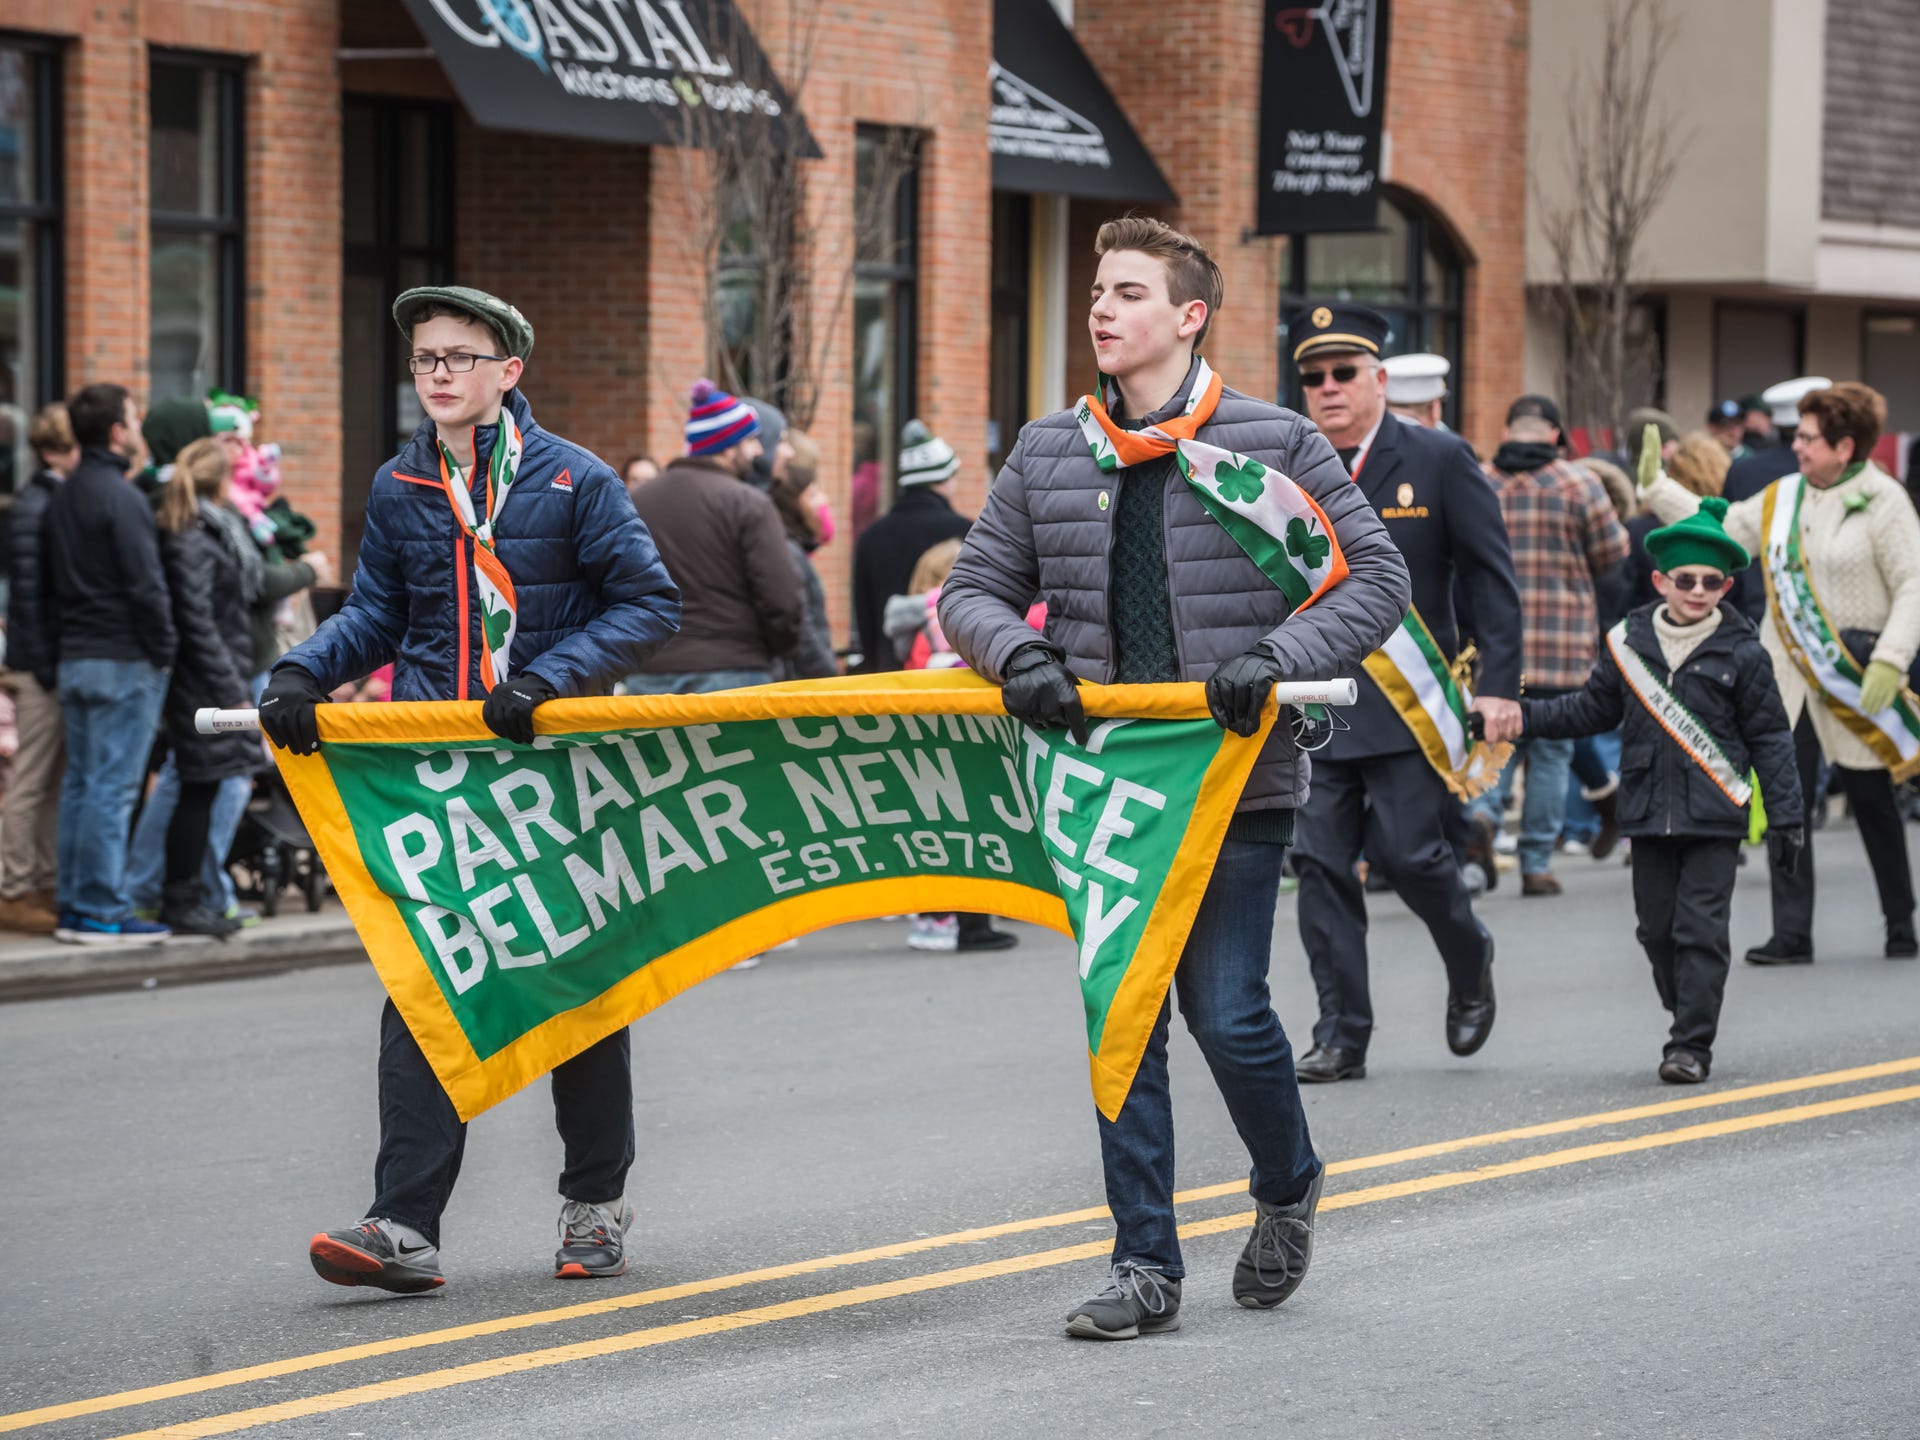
(1621, 156)
(764, 260)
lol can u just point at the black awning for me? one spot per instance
(1055, 128)
(643, 72)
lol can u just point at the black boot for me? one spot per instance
(1606, 804)
(1781, 950)
(978, 932)
(183, 910)
(1901, 942)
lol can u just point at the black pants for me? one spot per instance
(187, 840)
(1683, 896)
(422, 1138)
(1397, 808)
(1882, 831)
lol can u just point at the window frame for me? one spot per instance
(386, 253)
(902, 273)
(228, 228)
(45, 215)
(1428, 313)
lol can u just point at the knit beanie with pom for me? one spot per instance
(717, 421)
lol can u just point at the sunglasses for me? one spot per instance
(1688, 583)
(1342, 375)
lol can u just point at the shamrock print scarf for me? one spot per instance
(499, 609)
(1281, 527)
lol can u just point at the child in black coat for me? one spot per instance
(1694, 693)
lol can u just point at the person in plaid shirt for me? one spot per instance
(1564, 534)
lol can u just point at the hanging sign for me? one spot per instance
(1323, 93)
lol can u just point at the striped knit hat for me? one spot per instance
(717, 421)
(925, 459)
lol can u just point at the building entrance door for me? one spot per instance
(399, 233)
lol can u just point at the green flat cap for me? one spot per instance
(489, 310)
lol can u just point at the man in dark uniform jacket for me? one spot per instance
(1372, 785)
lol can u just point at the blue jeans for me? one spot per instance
(1545, 805)
(1222, 984)
(112, 709)
(1595, 759)
(147, 861)
(696, 682)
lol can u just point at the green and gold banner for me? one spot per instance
(521, 902)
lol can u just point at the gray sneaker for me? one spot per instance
(382, 1253)
(1137, 1301)
(1278, 1252)
(592, 1240)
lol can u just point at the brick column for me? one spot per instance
(1188, 80)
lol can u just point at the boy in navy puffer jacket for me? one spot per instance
(498, 560)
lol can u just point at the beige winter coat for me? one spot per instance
(1865, 566)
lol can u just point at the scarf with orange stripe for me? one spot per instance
(499, 608)
(1281, 527)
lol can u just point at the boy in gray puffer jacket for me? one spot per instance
(1143, 585)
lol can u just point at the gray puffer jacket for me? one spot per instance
(1047, 531)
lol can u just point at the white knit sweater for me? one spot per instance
(1678, 641)
(1864, 564)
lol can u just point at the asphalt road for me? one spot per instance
(869, 1188)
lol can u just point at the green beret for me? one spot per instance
(1700, 539)
(490, 310)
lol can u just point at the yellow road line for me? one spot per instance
(525, 1361)
(293, 1365)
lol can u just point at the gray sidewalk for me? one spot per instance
(33, 967)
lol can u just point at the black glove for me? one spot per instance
(1040, 690)
(1238, 690)
(509, 707)
(286, 709)
(1785, 847)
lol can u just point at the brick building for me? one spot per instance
(229, 192)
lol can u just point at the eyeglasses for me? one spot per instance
(1342, 375)
(458, 363)
(1805, 439)
(1689, 583)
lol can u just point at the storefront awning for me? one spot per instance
(1055, 128)
(643, 72)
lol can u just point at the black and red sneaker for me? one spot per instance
(592, 1240)
(382, 1253)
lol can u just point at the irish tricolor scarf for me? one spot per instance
(521, 902)
(499, 608)
(1281, 527)
(1432, 700)
(1814, 646)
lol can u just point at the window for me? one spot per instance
(397, 161)
(196, 300)
(1012, 327)
(750, 276)
(30, 284)
(1755, 346)
(885, 280)
(1408, 270)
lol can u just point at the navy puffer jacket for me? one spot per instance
(594, 599)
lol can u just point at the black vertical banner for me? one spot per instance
(1323, 92)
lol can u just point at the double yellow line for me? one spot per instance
(946, 1279)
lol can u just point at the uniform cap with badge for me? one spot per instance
(1335, 327)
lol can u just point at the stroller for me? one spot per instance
(272, 852)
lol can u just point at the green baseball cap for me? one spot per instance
(490, 310)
